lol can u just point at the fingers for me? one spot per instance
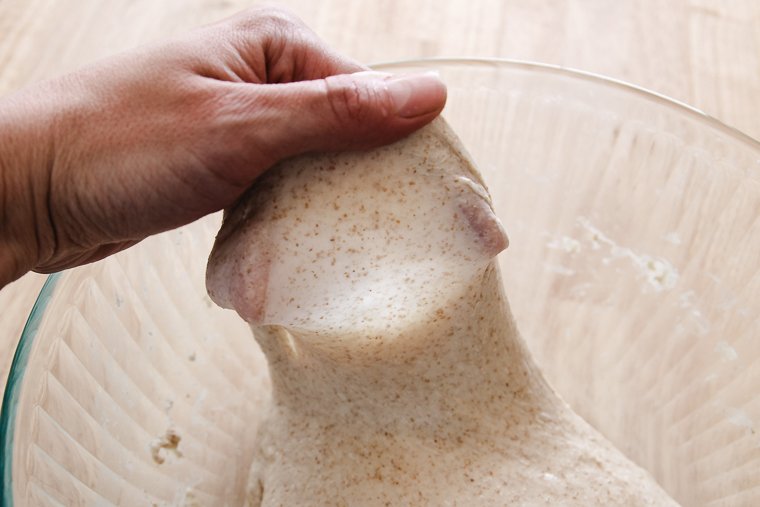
(291, 50)
(345, 112)
(311, 99)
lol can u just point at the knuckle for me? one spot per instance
(355, 102)
(207, 109)
(203, 100)
(275, 18)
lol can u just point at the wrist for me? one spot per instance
(25, 165)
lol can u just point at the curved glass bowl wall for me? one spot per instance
(633, 271)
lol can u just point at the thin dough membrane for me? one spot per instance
(398, 374)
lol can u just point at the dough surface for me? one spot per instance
(399, 376)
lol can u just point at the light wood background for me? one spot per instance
(702, 52)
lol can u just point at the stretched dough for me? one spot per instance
(399, 376)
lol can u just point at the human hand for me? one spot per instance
(95, 161)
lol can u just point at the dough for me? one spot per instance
(399, 376)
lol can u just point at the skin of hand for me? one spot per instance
(95, 161)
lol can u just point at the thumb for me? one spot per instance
(349, 111)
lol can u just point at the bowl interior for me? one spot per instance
(633, 273)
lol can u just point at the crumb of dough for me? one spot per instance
(160, 447)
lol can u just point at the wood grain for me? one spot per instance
(701, 52)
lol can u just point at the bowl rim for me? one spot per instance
(21, 356)
(593, 77)
(13, 387)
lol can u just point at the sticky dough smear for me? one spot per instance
(398, 374)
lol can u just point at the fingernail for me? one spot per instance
(416, 94)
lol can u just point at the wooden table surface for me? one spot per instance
(701, 52)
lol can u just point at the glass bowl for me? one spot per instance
(633, 271)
